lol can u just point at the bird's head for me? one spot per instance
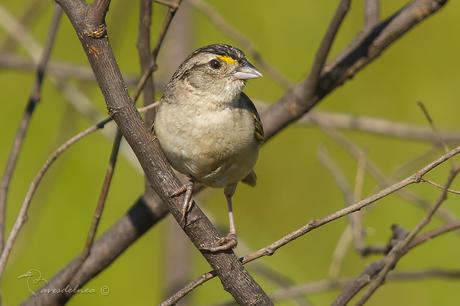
(218, 69)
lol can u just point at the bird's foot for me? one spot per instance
(179, 191)
(187, 205)
(226, 243)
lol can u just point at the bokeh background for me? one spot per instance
(293, 186)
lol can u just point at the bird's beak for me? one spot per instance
(246, 71)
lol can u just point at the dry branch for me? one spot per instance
(32, 103)
(366, 48)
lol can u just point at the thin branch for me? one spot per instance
(337, 174)
(415, 178)
(278, 279)
(357, 224)
(399, 250)
(98, 11)
(326, 285)
(439, 186)
(354, 226)
(373, 125)
(153, 65)
(308, 87)
(432, 125)
(99, 208)
(372, 13)
(56, 69)
(340, 250)
(334, 284)
(77, 99)
(33, 10)
(73, 95)
(382, 180)
(364, 50)
(228, 29)
(145, 56)
(379, 126)
(314, 224)
(32, 103)
(169, 3)
(371, 271)
(22, 216)
(17, 31)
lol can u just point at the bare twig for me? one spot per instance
(313, 224)
(366, 48)
(22, 216)
(279, 279)
(97, 12)
(325, 285)
(99, 208)
(398, 251)
(337, 174)
(340, 250)
(57, 69)
(308, 87)
(372, 13)
(77, 98)
(357, 224)
(373, 125)
(415, 178)
(153, 63)
(354, 231)
(432, 125)
(32, 102)
(28, 17)
(439, 186)
(18, 32)
(145, 57)
(333, 284)
(383, 181)
(371, 271)
(349, 198)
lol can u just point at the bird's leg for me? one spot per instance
(188, 189)
(230, 241)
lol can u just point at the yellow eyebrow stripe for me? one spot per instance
(227, 59)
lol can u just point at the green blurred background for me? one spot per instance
(293, 186)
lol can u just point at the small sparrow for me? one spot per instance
(208, 128)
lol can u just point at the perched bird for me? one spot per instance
(208, 128)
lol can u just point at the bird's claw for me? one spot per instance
(187, 188)
(178, 191)
(226, 243)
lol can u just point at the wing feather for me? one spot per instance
(258, 128)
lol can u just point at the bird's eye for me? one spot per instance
(215, 64)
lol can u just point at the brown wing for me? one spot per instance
(259, 130)
(250, 179)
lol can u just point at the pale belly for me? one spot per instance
(216, 149)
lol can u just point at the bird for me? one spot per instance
(209, 129)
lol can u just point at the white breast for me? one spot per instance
(214, 146)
